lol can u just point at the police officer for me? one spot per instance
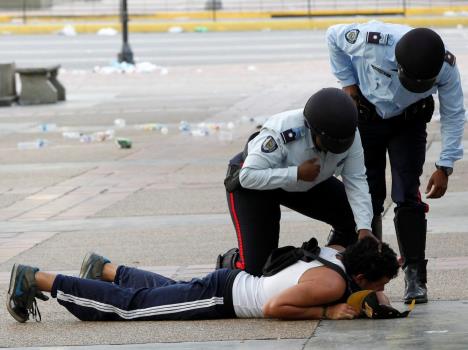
(292, 162)
(392, 71)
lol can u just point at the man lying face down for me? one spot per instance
(304, 290)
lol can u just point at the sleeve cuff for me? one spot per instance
(292, 174)
(363, 227)
(446, 163)
(347, 82)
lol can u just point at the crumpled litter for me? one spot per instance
(107, 32)
(68, 30)
(175, 30)
(128, 68)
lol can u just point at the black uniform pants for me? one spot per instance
(405, 141)
(256, 216)
(404, 138)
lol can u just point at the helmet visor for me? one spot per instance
(336, 146)
(415, 85)
(330, 144)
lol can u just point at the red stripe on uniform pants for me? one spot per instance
(426, 206)
(239, 264)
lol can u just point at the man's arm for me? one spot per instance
(452, 117)
(321, 286)
(355, 182)
(262, 169)
(344, 41)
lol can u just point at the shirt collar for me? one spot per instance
(308, 138)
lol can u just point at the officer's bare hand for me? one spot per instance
(309, 170)
(437, 185)
(341, 312)
(352, 91)
(366, 233)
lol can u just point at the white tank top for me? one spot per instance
(250, 293)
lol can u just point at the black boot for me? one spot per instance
(377, 226)
(228, 260)
(415, 283)
(410, 226)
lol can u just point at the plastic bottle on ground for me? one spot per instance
(39, 143)
(71, 135)
(184, 127)
(120, 123)
(47, 127)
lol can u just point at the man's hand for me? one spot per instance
(309, 170)
(352, 91)
(437, 184)
(341, 312)
(366, 233)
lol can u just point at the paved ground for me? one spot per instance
(161, 205)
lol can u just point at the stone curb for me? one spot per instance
(224, 26)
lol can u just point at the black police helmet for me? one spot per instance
(331, 115)
(420, 55)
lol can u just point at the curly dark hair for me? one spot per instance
(372, 259)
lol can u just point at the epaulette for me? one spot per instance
(379, 38)
(450, 58)
(292, 134)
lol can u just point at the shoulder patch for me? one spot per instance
(450, 58)
(269, 145)
(291, 134)
(377, 38)
(352, 35)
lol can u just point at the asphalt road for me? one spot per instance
(149, 6)
(183, 49)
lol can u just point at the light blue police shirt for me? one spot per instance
(356, 59)
(273, 160)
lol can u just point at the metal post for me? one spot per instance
(126, 55)
(213, 8)
(24, 12)
(404, 8)
(308, 9)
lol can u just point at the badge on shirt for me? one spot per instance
(289, 135)
(450, 58)
(352, 35)
(379, 38)
(269, 145)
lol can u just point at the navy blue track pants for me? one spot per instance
(142, 295)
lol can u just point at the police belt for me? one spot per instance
(232, 181)
(420, 110)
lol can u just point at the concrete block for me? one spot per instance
(7, 84)
(36, 90)
(58, 86)
(40, 85)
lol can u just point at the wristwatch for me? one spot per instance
(447, 170)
